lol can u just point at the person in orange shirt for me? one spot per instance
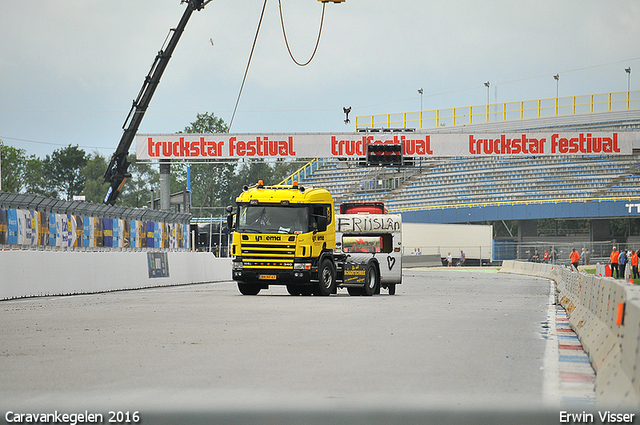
(575, 258)
(614, 261)
(634, 264)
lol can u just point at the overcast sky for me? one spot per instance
(70, 69)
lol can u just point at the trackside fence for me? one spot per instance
(605, 314)
(31, 222)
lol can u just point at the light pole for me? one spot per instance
(487, 85)
(628, 71)
(557, 78)
(421, 93)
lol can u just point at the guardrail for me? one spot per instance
(505, 111)
(605, 314)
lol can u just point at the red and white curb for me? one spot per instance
(569, 378)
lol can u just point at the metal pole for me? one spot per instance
(487, 84)
(165, 185)
(628, 71)
(210, 234)
(220, 238)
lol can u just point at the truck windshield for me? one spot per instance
(273, 219)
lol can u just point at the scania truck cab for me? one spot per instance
(287, 235)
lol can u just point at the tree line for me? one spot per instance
(71, 171)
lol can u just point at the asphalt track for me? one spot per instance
(451, 345)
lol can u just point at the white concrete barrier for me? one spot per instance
(42, 273)
(605, 314)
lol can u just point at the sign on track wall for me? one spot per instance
(354, 145)
(20, 227)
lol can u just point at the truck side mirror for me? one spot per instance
(230, 218)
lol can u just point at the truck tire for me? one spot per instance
(248, 288)
(326, 279)
(355, 291)
(371, 280)
(392, 289)
(294, 290)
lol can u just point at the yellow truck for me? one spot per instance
(290, 235)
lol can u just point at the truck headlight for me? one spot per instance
(237, 265)
(302, 266)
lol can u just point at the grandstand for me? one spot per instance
(462, 181)
(467, 182)
(594, 188)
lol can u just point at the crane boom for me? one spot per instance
(117, 171)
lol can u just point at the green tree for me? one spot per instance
(283, 169)
(207, 123)
(95, 188)
(12, 163)
(65, 167)
(137, 190)
(37, 178)
(211, 182)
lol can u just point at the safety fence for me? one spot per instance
(605, 314)
(39, 223)
(557, 252)
(505, 111)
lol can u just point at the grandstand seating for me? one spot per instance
(465, 180)
(461, 181)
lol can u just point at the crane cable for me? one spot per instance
(284, 33)
(248, 63)
(246, 71)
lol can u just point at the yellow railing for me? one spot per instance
(465, 115)
(502, 203)
(304, 171)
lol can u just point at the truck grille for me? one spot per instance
(274, 256)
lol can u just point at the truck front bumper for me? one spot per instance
(272, 277)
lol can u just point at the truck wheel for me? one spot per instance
(293, 290)
(326, 279)
(248, 288)
(354, 291)
(371, 281)
(392, 289)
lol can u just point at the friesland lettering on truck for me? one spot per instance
(386, 227)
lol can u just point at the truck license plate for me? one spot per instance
(268, 276)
